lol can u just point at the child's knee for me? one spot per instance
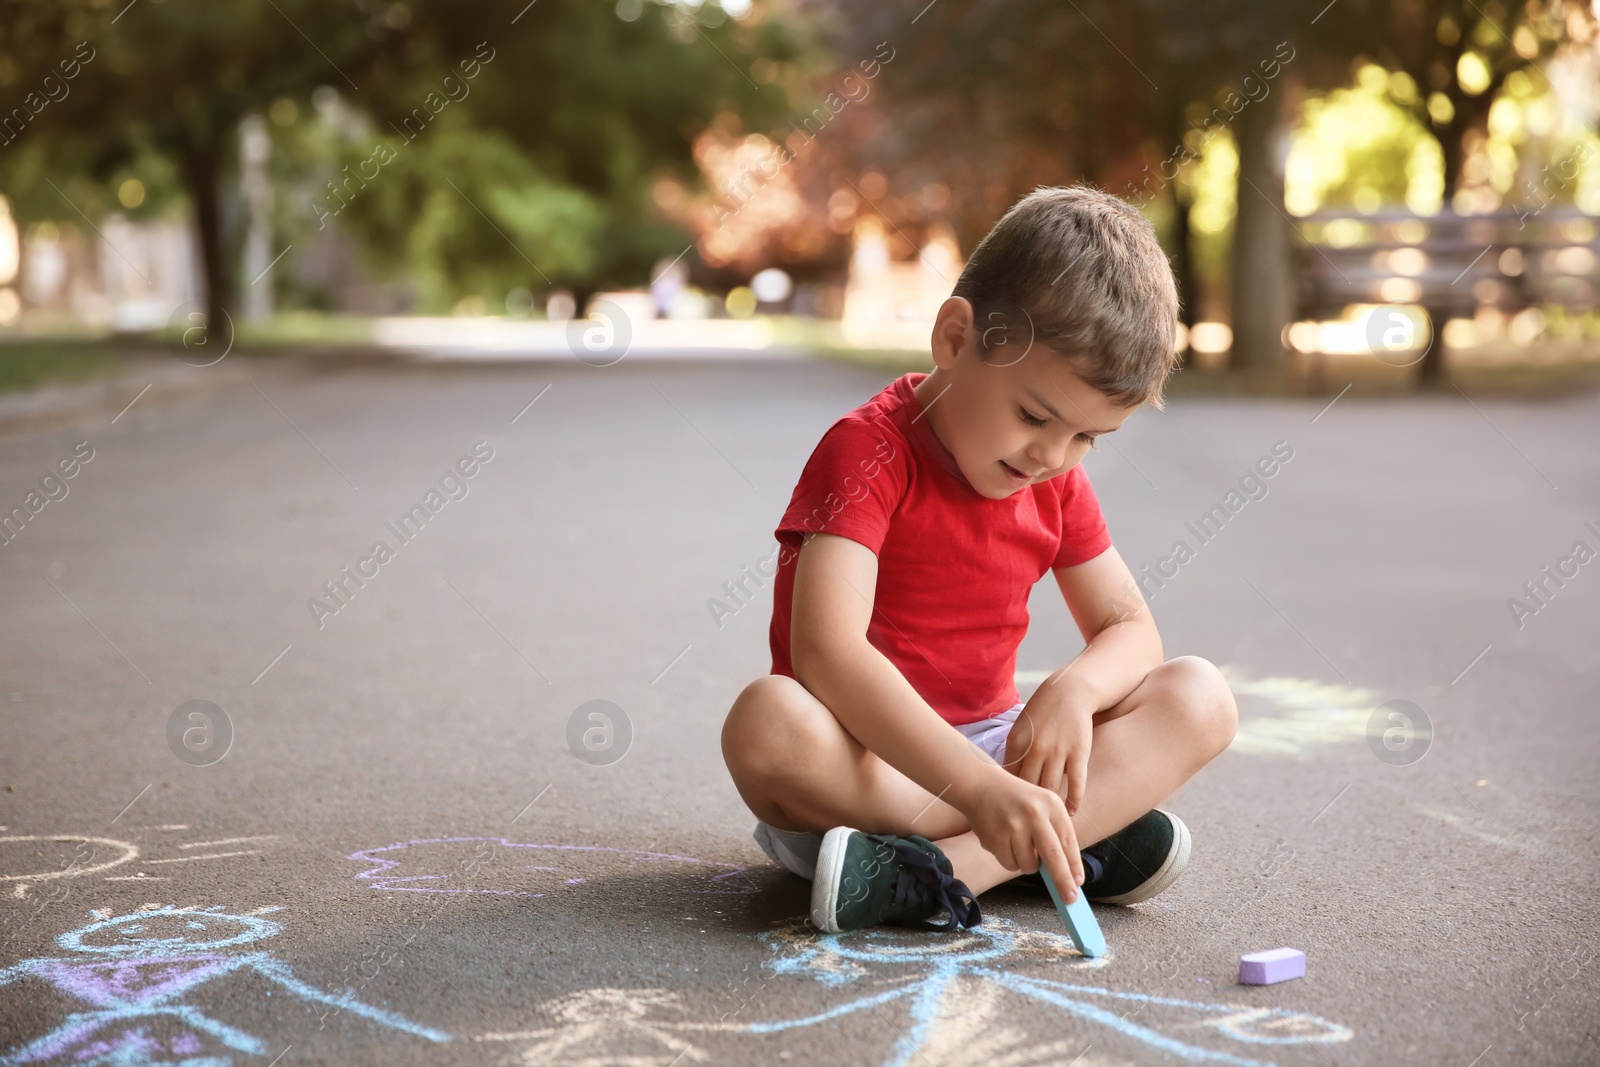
(1200, 696)
(769, 725)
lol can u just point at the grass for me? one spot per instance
(306, 328)
(66, 357)
(287, 329)
(33, 363)
(1531, 379)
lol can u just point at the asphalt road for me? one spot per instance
(398, 858)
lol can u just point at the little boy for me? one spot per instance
(891, 723)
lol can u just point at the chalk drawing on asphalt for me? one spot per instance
(954, 972)
(610, 1028)
(134, 970)
(961, 993)
(27, 859)
(1283, 716)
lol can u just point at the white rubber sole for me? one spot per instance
(825, 886)
(1176, 861)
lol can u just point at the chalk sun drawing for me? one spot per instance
(1284, 716)
(425, 866)
(956, 994)
(90, 855)
(134, 970)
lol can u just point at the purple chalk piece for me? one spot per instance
(1276, 965)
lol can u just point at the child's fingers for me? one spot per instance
(1033, 766)
(1050, 776)
(1077, 779)
(1004, 855)
(1063, 863)
(1069, 842)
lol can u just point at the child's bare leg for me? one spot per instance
(799, 769)
(1179, 718)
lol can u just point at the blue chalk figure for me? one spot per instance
(1081, 924)
(958, 981)
(136, 969)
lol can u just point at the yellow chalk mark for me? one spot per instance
(1456, 822)
(229, 841)
(971, 1030)
(211, 856)
(601, 1027)
(72, 870)
(1285, 716)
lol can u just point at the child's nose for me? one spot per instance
(1049, 455)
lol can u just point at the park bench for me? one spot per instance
(1449, 264)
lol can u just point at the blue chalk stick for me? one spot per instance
(1080, 921)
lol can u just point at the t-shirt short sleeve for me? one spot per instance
(851, 485)
(1083, 529)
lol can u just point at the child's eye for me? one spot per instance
(1030, 419)
(1090, 439)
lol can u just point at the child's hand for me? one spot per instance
(1025, 827)
(1050, 740)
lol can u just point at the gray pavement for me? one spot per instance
(399, 858)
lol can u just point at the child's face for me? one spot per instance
(1010, 422)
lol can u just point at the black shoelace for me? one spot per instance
(920, 882)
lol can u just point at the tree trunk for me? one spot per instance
(255, 188)
(202, 172)
(1183, 260)
(1263, 295)
(1430, 372)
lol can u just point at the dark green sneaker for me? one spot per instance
(1136, 862)
(870, 879)
(1133, 864)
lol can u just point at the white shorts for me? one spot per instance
(796, 850)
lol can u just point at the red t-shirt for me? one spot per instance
(954, 567)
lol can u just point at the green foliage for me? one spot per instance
(570, 113)
(1357, 148)
(477, 215)
(24, 365)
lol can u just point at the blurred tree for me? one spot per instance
(547, 174)
(175, 78)
(1234, 68)
(987, 98)
(1456, 55)
(995, 98)
(579, 105)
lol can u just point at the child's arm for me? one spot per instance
(1122, 646)
(835, 582)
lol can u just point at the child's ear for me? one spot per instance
(953, 332)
